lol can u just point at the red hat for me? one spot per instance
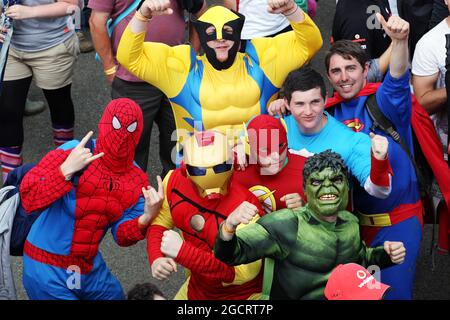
(353, 282)
(268, 132)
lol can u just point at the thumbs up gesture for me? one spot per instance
(79, 158)
(396, 28)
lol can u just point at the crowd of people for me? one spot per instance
(273, 188)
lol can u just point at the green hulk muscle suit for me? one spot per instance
(307, 243)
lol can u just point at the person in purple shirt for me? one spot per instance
(168, 29)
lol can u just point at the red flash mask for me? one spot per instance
(266, 135)
(119, 131)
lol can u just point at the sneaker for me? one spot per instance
(34, 107)
(85, 43)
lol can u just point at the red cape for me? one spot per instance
(432, 149)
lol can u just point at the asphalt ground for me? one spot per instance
(91, 93)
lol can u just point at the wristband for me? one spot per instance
(228, 230)
(110, 71)
(290, 14)
(141, 17)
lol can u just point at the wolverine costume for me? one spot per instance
(208, 94)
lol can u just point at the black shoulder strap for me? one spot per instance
(384, 124)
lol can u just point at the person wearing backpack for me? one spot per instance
(61, 257)
(168, 29)
(400, 216)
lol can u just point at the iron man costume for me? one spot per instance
(202, 190)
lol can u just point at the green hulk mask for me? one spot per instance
(325, 183)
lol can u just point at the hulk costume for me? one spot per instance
(305, 248)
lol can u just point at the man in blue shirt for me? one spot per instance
(312, 130)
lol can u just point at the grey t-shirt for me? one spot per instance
(39, 34)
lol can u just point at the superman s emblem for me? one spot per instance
(354, 124)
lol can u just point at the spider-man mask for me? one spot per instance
(119, 131)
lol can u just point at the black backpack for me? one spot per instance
(423, 171)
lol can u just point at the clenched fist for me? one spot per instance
(244, 213)
(293, 200)
(396, 251)
(396, 28)
(281, 6)
(155, 7)
(163, 267)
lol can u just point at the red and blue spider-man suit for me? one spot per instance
(67, 234)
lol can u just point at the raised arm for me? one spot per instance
(394, 95)
(102, 42)
(369, 164)
(132, 227)
(279, 55)
(398, 30)
(45, 183)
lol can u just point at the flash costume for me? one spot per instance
(265, 135)
(66, 236)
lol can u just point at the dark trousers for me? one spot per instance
(155, 108)
(12, 105)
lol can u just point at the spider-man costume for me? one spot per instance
(67, 234)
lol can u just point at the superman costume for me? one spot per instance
(185, 203)
(66, 236)
(206, 94)
(401, 213)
